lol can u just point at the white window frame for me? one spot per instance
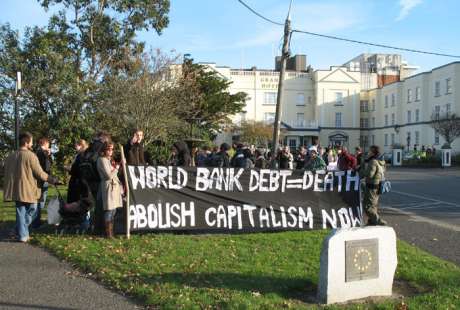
(437, 88)
(417, 115)
(338, 95)
(393, 100)
(386, 139)
(338, 119)
(386, 101)
(409, 116)
(409, 95)
(270, 98)
(386, 120)
(417, 93)
(300, 99)
(448, 86)
(393, 119)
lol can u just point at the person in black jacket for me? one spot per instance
(44, 157)
(73, 190)
(134, 149)
(180, 155)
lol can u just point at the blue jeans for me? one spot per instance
(109, 215)
(25, 213)
(41, 204)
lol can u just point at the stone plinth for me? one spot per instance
(357, 263)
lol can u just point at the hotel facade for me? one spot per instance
(371, 99)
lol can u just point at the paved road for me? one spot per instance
(424, 209)
(30, 278)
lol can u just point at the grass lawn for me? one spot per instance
(269, 271)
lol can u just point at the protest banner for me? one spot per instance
(241, 200)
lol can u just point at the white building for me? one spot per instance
(371, 99)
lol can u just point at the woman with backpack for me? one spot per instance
(110, 186)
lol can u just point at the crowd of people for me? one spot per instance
(96, 186)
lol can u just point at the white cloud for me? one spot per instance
(406, 7)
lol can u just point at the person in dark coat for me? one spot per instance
(180, 156)
(221, 159)
(260, 161)
(44, 157)
(74, 188)
(134, 149)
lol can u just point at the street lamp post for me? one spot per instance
(16, 109)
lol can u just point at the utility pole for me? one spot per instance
(16, 109)
(284, 57)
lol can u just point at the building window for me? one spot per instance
(437, 88)
(409, 116)
(373, 139)
(338, 98)
(292, 144)
(392, 118)
(436, 137)
(373, 122)
(392, 139)
(386, 120)
(270, 98)
(409, 95)
(364, 122)
(417, 115)
(269, 117)
(408, 139)
(386, 101)
(417, 93)
(373, 104)
(300, 119)
(386, 139)
(300, 99)
(448, 109)
(364, 106)
(437, 110)
(338, 119)
(448, 86)
(417, 137)
(393, 100)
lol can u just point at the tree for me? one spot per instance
(65, 65)
(256, 133)
(447, 125)
(142, 98)
(207, 100)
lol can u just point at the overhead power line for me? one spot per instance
(375, 44)
(260, 15)
(349, 40)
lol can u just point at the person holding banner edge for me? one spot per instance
(373, 176)
(110, 186)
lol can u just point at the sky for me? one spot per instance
(226, 33)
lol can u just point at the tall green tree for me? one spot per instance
(207, 103)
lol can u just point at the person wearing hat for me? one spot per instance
(315, 162)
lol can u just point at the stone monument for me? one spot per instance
(357, 263)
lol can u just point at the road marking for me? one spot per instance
(418, 218)
(426, 198)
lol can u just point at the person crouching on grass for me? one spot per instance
(110, 186)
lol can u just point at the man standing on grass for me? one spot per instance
(44, 158)
(23, 173)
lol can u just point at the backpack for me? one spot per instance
(87, 167)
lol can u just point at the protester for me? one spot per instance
(285, 158)
(73, 191)
(373, 175)
(301, 158)
(88, 172)
(44, 157)
(110, 186)
(221, 159)
(315, 162)
(346, 161)
(331, 160)
(203, 156)
(24, 171)
(242, 157)
(260, 161)
(180, 155)
(360, 164)
(134, 149)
